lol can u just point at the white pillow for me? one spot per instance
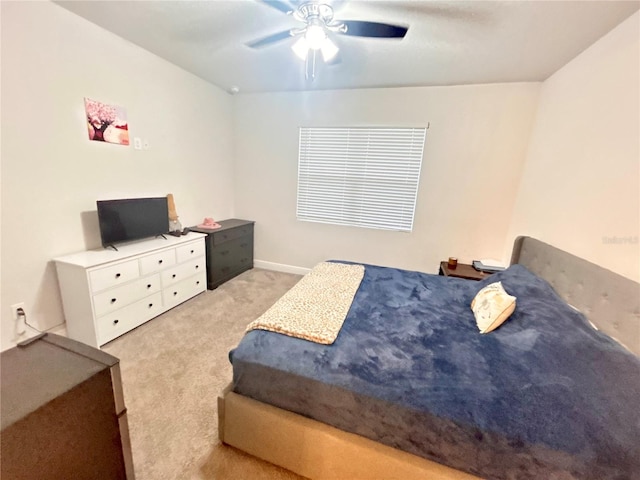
(492, 306)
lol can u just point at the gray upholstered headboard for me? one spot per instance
(610, 301)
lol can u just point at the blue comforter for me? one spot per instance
(544, 395)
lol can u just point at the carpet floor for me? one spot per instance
(173, 368)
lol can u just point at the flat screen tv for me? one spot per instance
(132, 219)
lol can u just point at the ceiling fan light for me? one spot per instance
(329, 50)
(301, 48)
(315, 36)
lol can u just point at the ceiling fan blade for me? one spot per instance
(357, 28)
(276, 37)
(279, 5)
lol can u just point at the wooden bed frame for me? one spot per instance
(319, 451)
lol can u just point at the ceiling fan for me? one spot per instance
(313, 39)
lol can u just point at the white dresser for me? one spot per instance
(106, 293)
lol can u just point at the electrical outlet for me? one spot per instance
(137, 143)
(19, 319)
(14, 309)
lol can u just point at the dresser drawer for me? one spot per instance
(187, 252)
(118, 297)
(181, 272)
(232, 233)
(113, 275)
(121, 321)
(232, 253)
(157, 261)
(183, 290)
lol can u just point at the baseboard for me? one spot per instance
(281, 267)
(59, 329)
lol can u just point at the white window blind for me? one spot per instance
(366, 177)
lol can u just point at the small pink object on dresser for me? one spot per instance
(209, 223)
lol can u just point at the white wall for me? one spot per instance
(473, 158)
(52, 174)
(580, 188)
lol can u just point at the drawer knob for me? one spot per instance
(175, 293)
(160, 261)
(198, 282)
(191, 251)
(113, 300)
(150, 305)
(197, 267)
(148, 285)
(115, 322)
(117, 275)
(173, 276)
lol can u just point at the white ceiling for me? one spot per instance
(448, 42)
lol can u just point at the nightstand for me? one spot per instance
(462, 271)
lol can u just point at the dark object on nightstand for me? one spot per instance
(462, 270)
(229, 250)
(63, 413)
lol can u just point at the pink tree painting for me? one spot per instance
(106, 123)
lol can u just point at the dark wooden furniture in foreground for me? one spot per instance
(63, 413)
(462, 271)
(229, 250)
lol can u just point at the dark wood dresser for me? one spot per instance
(229, 250)
(63, 413)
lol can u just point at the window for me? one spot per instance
(366, 177)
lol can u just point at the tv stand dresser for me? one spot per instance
(106, 293)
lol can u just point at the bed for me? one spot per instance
(410, 390)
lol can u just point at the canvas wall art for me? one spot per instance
(106, 123)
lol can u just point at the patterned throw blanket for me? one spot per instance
(315, 308)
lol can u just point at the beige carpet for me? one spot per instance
(174, 367)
